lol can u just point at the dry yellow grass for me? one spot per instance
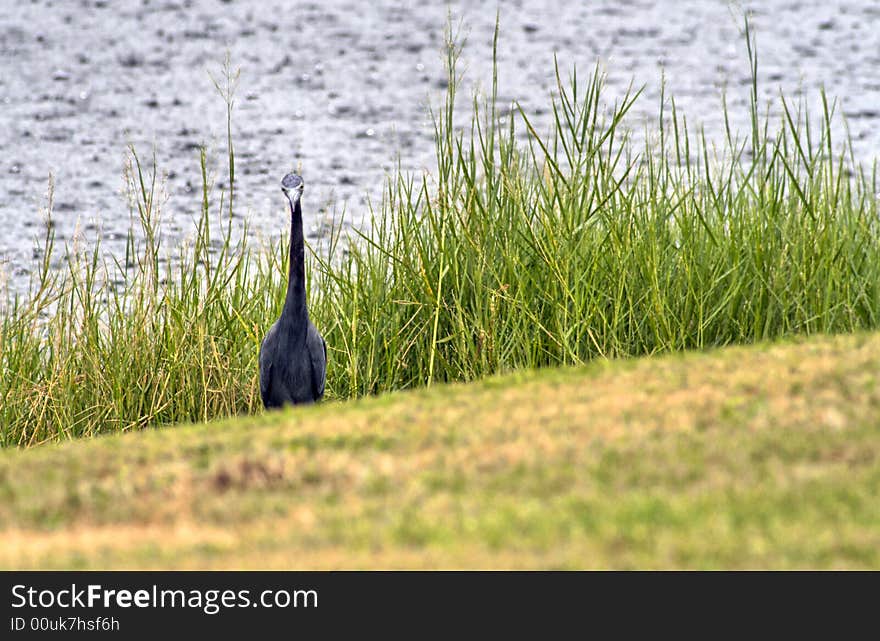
(744, 457)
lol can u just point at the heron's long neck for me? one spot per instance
(295, 310)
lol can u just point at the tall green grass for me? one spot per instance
(579, 244)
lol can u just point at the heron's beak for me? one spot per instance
(292, 186)
(293, 195)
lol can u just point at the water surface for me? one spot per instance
(341, 87)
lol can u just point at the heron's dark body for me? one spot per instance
(285, 376)
(293, 355)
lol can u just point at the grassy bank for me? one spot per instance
(578, 244)
(764, 456)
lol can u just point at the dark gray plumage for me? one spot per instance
(293, 355)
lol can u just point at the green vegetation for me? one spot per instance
(761, 456)
(578, 245)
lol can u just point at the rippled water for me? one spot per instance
(342, 87)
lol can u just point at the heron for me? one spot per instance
(293, 355)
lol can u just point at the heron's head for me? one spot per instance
(292, 186)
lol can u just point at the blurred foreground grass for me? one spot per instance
(762, 456)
